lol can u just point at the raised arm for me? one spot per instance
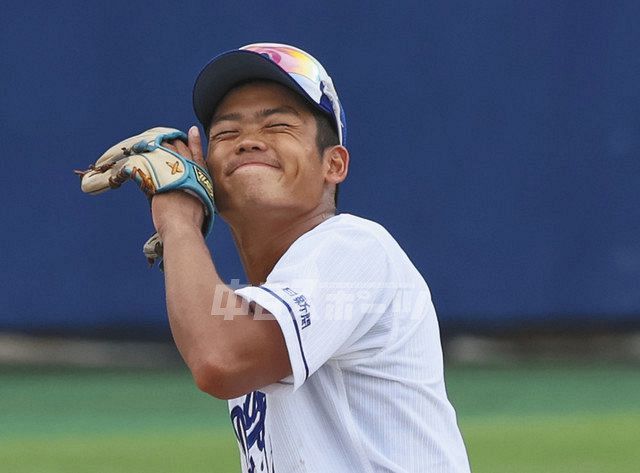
(228, 350)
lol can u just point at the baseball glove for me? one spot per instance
(156, 169)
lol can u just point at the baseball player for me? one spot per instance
(330, 359)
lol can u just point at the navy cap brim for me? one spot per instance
(225, 71)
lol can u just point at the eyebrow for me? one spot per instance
(273, 111)
(264, 113)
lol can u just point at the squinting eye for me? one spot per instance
(275, 125)
(223, 134)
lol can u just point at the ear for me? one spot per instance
(337, 164)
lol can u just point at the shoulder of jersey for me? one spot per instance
(363, 226)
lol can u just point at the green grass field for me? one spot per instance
(529, 418)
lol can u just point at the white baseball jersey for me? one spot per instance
(367, 392)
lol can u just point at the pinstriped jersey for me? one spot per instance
(367, 391)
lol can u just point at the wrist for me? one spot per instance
(178, 230)
(176, 212)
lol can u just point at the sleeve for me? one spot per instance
(326, 293)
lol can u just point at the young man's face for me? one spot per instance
(263, 153)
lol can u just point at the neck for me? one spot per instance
(261, 242)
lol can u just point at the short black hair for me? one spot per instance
(326, 137)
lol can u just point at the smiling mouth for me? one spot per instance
(256, 163)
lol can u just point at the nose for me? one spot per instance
(250, 142)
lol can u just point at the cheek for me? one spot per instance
(307, 160)
(215, 170)
(214, 163)
(310, 173)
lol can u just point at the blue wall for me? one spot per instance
(498, 141)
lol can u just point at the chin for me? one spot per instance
(256, 198)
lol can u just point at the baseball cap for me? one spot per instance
(282, 63)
